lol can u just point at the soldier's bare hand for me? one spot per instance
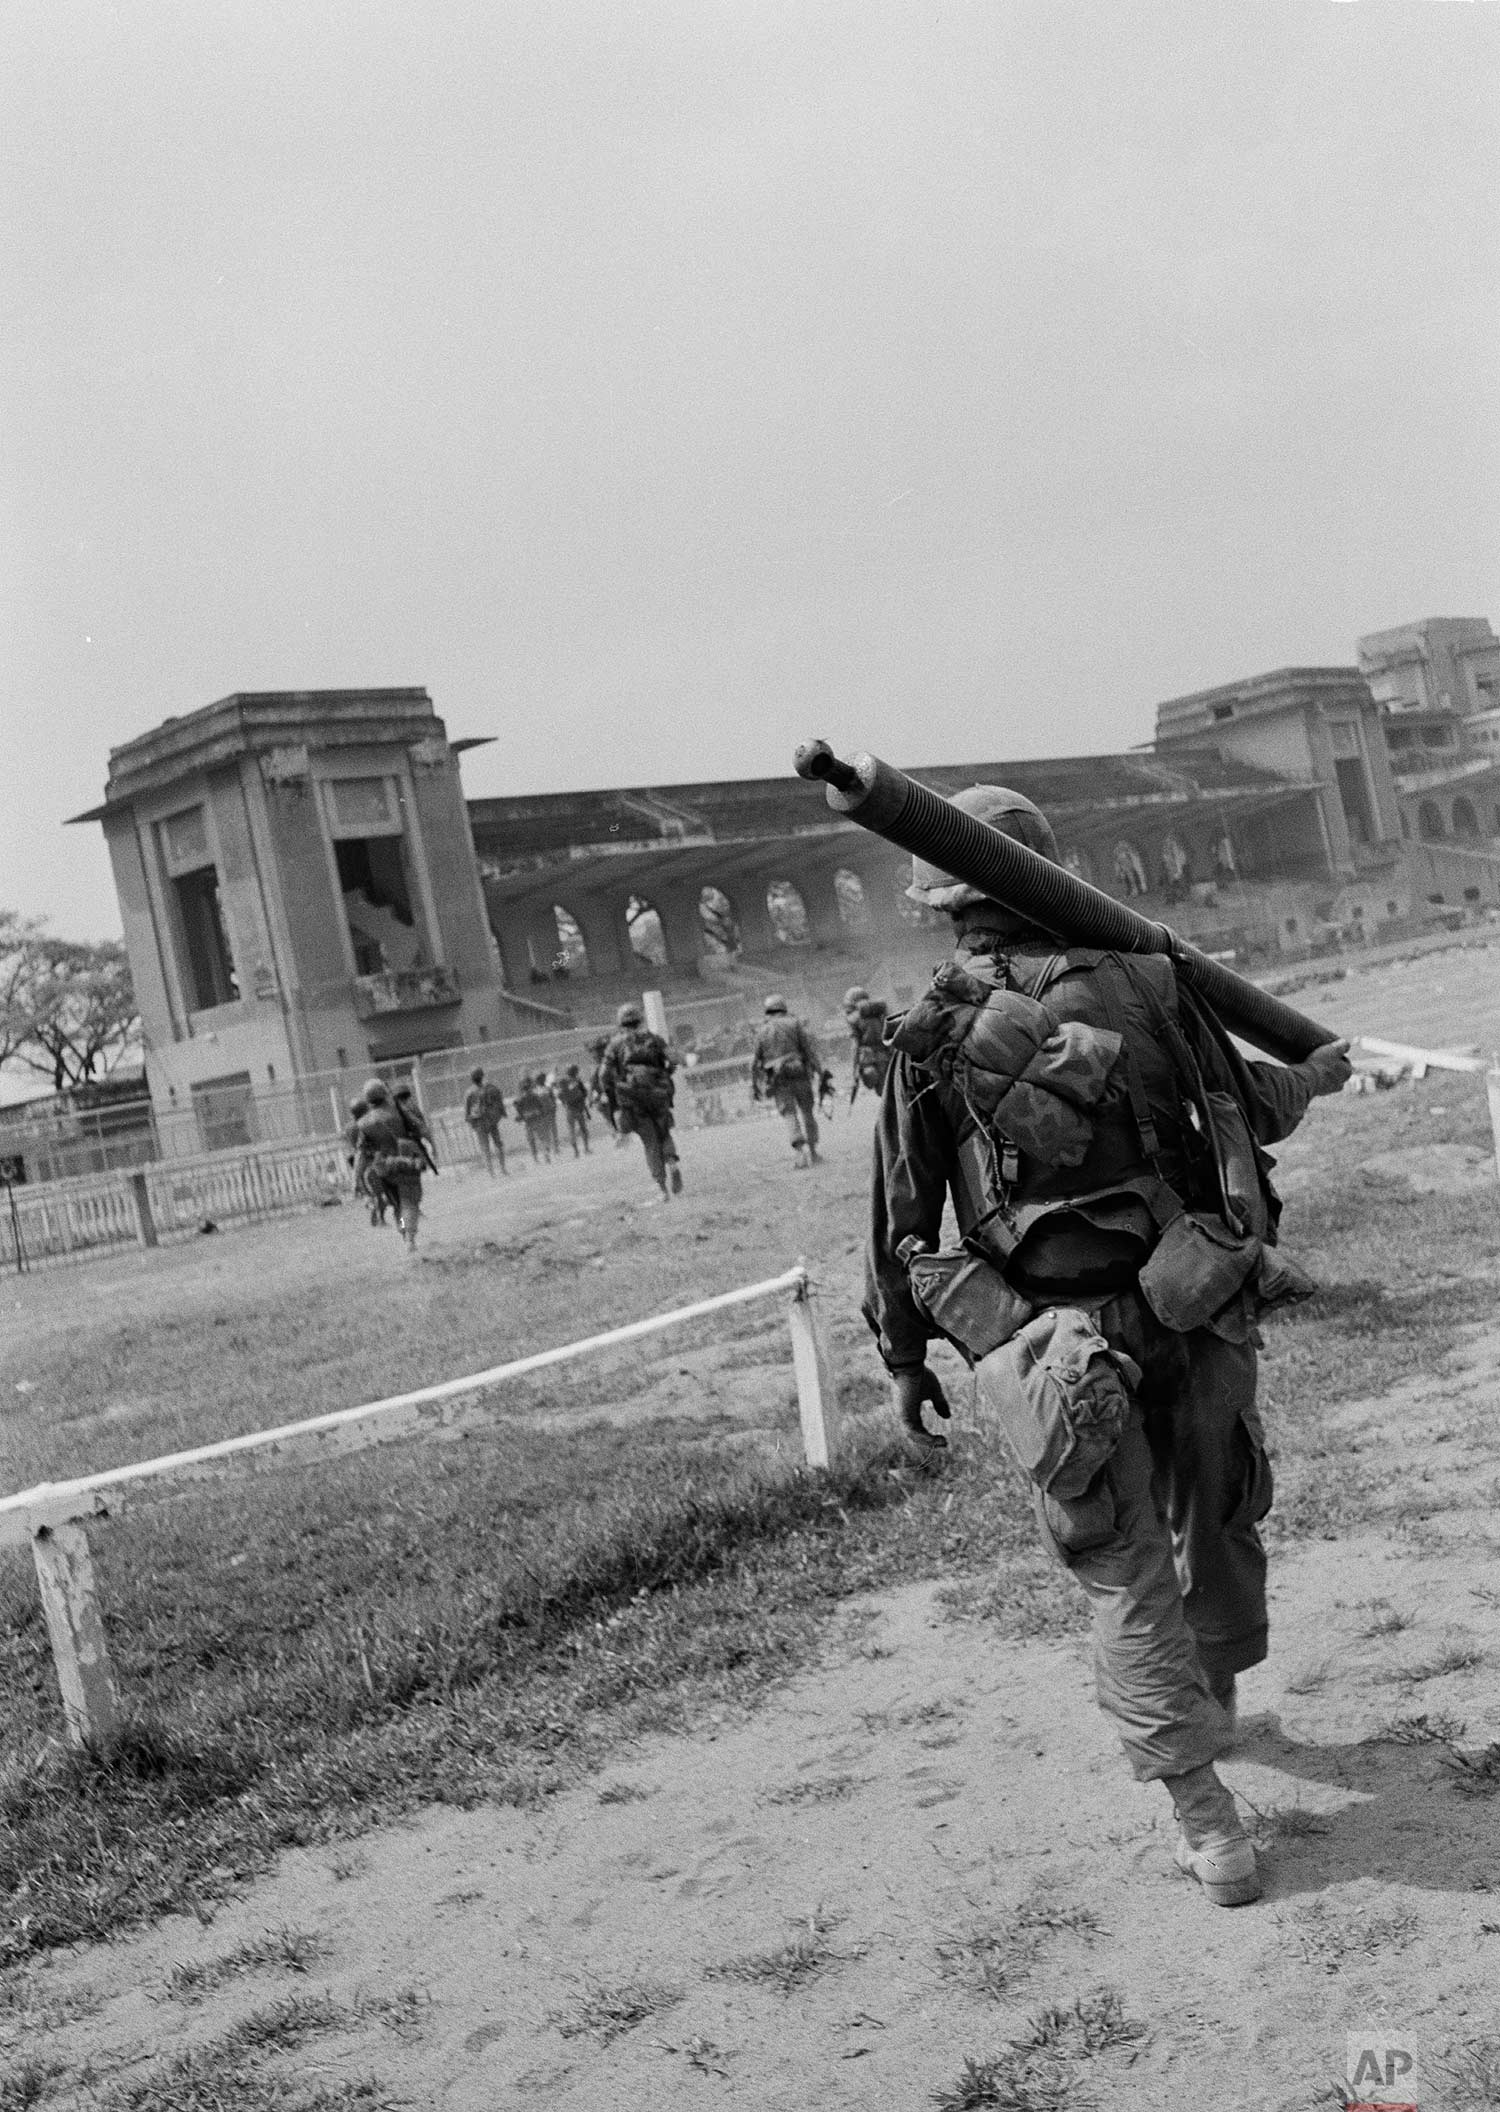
(1330, 1067)
(911, 1392)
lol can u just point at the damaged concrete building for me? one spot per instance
(305, 890)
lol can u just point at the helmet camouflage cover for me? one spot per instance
(1013, 814)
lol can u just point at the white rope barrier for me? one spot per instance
(53, 1516)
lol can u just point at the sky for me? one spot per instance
(661, 385)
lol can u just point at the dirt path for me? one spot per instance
(801, 1908)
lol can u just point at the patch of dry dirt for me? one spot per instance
(797, 1908)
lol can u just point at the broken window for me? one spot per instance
(205, 963)
(369, 847)
(1354, 795)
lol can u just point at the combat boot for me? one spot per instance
(1212, 1845)
(676, 1172)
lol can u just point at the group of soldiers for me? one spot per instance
(787, 1067)
(631, 1090)
(389, 1143)
(539, 1098)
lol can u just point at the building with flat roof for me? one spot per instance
(299, 894)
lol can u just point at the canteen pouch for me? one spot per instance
(967, 1300)
(1060, 1395)
(1196, 1267)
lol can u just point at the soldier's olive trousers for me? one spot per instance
(794, 1104)
(655, 1133)
(1165, 1544)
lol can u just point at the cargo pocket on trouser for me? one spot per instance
(1073, 1525)
(1258, 1486)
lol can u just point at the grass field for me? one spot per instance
(629, 1546)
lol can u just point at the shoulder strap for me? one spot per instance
(1111, 975)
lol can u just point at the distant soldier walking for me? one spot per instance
(484, 1111)
(547, 1087)
(535, 1108)
(787, 1068)
(392, 1159)
(866, 1016)
(365, 1184)
(635, 1077)
(597, 1096)
(573, 1097)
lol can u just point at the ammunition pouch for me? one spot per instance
(967, 1300)
(1061, 1396)
(1196, 1267)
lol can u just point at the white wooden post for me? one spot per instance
(1492, 1087)
(817, 1398)
(65, 1572)
(654, 1007)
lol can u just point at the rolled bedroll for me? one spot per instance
(886, 801)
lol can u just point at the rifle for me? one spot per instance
(416, 1137)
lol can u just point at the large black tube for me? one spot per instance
(891, 804)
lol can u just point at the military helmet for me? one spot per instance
(358, 1108)
(476, 1076)
(598, 1046)
(628, 1016)
(375, 1092)
(403, 1091)
(856, 995)
(775, 1004)
(1009, 812)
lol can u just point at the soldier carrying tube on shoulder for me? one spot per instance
(1102, 1142)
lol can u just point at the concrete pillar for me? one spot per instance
(681, 925)
(601, 919)
(509, 926)
(539, 940)
(748, 894)
(814, 883)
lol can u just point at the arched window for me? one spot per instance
(572, 956)
(1465, 820)
(849, 892)
(788, 913)
(647, 939)
(1430, 822)
(721, 931)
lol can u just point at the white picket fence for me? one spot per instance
(95, 1213)
(53, 1517)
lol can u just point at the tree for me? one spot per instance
(17, 933)
(67, 1009)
